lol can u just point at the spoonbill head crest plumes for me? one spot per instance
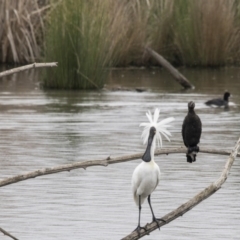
(146, 175)
(191, 132)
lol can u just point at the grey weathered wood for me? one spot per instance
(101, 162)
(175, 73)
(26, 67)
(207, 192)
(8, 234)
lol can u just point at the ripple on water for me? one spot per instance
(42, 129)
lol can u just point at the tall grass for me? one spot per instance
(77, 38)
(89, 37)
(205, 31)
(21, 30)
(159, 28)
(127, 30)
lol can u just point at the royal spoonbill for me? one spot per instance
(219, 102)
(191, 132)
(146, 175)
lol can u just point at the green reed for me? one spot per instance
(87, 38)
(77, 40)
(205, 32)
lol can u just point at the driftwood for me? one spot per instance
(207, 192)
(26, 67)
(7, 234)
(175, 73)
(101, 162)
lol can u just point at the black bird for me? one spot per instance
(219, 102)
(191, 132)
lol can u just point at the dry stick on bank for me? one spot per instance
(207, 192)
(176, 74)
(26, 67)
(7, 234)
(102, 162)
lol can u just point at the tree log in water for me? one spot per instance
(26, 67)
(175, 73)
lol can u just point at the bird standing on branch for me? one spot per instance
(191, 132)
(146, 175)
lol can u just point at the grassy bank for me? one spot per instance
(88, 37)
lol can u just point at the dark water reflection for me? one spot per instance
(41, 129)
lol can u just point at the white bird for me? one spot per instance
(146, 175)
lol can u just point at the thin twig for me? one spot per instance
(8, 234)
(101, 162)
(39, 10)
(207, 192)
(26, 67)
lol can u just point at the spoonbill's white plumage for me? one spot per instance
(146, 175)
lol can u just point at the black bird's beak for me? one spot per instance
(147, 155)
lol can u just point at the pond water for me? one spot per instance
(41, 129)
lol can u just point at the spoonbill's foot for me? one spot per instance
(157, 221)
(138, 229)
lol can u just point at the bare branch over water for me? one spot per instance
(101, 162)
(27, 67)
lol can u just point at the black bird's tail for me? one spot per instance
(192, 154)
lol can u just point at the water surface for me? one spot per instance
(41, 129)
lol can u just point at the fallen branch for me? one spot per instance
(207, 192)
(175, 73)
(101, 162)
(26, 67)
(7, 234)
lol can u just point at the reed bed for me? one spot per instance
(77, 38)
(21, 30)
(207, 32)
(89, 37)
